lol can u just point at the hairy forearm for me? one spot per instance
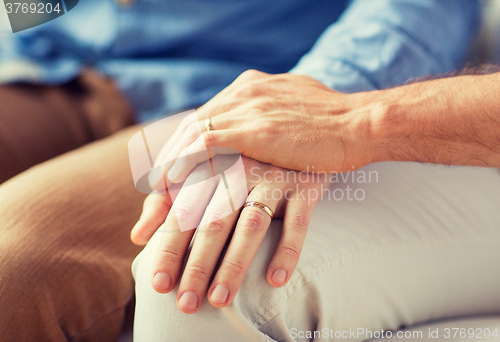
(454, 121)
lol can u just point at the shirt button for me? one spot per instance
(125, 3)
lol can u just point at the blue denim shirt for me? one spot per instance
(176, 54)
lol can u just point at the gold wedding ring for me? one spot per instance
(260, 206)
(208, 125)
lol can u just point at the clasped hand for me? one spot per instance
(275, 122)
(224, 236)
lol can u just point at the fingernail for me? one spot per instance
(188, 301)
(279, 276)
(162, 281)
(219, 294)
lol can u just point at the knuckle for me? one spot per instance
(251, 74)
(254, 222)
(184, 210)
(170, 256)
(217, 216)
(233, 267)
(197, 272)
(216, 224)
(299, 223)
(291, 251)
(208, 138)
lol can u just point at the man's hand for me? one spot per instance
(295, 122)
(287, 120)
(286, 193)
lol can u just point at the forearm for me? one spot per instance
(453, 121)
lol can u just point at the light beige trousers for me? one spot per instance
(423, 244)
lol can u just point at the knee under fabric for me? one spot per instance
(422, 244)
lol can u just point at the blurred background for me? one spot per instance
(487, 46)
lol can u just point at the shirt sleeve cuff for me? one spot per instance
(336, 74)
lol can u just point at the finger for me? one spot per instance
(155, 210)
(167, 154)
(170, 255)
(195, 127)
(191, 156)
(297, 216)
(185, 215)
(192, 200)
(209, 242)
(248, 235)
(190, 134)
(165, 150)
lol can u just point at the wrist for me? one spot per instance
(389, 121)
(376, 108)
